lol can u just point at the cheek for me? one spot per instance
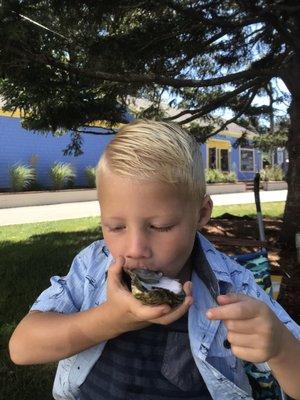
(177, 249)
(183, 250)
(113, 244)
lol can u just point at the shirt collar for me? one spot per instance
(209, 266)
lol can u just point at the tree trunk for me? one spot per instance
(291, 220)
(290, 288)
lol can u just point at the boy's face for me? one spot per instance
(149, 223)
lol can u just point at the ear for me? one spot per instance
(205, 212)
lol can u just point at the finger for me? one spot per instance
(230, 298)
(241, 326)
(175, 313)
(239, 311)
(243, 340)
(115, 270)
(145, 312)
(187, 288)
(249, 354)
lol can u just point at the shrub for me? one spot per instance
(90, 175)
(272, 173)
(62, 175)
(217, 176)
(278, 173)
(214, 176)
(21, 177)
(265, 174)
(231, 177)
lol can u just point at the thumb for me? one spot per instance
(230, 298)
(116, 267)
(187, 288)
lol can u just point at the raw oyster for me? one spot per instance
(152, 288)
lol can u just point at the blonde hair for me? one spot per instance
(157, 151)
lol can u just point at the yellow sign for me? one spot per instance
(16, 114)
(218, 144)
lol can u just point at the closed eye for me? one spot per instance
(162, 228)
(115, 228)
(153, 227)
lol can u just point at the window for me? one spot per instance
(212, 158)
(224, 160)
(247, 160)
(218, 154)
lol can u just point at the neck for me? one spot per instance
(186, 272)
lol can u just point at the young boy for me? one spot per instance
(151, 191)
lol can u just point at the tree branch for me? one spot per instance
(163, 80)
(149, 78)
(286, 7)
(247, 103)
(271, 19)
(224, 98)
(221, 101)
(219, 22)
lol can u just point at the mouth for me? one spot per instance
(144, 268)
(145, 275)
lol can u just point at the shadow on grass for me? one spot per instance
(25, 270)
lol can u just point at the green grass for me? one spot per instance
(269, 210)
(30, 255)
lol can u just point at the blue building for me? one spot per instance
(221, 152)
(18, 145)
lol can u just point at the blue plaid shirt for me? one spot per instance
(85, 287)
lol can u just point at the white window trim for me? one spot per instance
(240, 160)
(218, 158)
(228, 159)
(207, 156)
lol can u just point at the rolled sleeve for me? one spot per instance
(65, 295)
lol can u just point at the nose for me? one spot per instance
(138, 246)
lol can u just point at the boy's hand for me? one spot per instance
(130, 313)
(254, 331)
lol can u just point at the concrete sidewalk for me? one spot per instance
(55, 212)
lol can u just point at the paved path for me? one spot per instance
(55, 212)
(248, 197)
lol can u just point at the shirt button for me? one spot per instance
(226, 344)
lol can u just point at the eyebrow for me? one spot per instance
(165, 220)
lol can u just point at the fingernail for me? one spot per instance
(209, 314)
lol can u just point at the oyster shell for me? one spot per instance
(152, 288)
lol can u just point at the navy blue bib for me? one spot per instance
(154, 363)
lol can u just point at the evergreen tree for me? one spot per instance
(208, 55)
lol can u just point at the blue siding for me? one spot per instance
(234, 158)
(203, 154)
(19, 145)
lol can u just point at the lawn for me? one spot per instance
(30, 255)
(269, 210)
